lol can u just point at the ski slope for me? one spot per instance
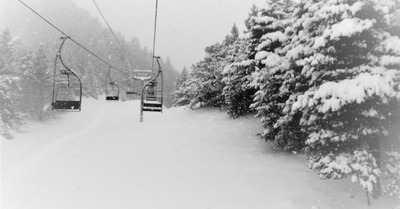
(103, 158)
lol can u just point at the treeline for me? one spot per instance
(323, 76)
(28, 47)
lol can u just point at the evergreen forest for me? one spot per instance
(324, 79)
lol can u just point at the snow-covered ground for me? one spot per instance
(103, 157)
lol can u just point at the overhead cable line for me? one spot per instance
(109, 27)
(77, 43)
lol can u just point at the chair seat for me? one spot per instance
(153, 106)
(152, 109)
(112, 98)
(66, 105)
(151, 98)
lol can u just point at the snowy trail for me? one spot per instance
(104, 158)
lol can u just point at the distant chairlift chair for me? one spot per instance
(112, 88)
(137, 81)
(130, 90)
(67, 94)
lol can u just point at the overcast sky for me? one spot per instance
(185, 27)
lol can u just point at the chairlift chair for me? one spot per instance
(67, 91)
(132, 88)
(131, 91)
(152, 94)
(138, 80)
(112, 88)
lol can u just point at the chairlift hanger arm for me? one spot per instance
(159, 69)
(155, 77)
(59, 55)
(158, 62)
(65, 105)
(109, 72)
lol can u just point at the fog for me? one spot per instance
(184, 28)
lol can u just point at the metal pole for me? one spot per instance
(154, 38)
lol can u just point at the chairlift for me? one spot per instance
(112, 88)
(67, 87)
(132, 88)
(152, 93)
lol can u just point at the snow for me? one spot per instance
(348, 27)
(297, 51)
(392, 44)
(334, 95)
(270, 38)
(261, 55)
(103, 157)
(263, 20)
(388, 60)
(319, 42)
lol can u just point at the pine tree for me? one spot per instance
(271, 72)
(237, 77)
(253, 13)
(170, 77)
(207, 76)
(37, 86)
(7, 53)
(328, 80)
(186, 93)
(234, 36)
(10, 117)
(183, 77)
(347, 62)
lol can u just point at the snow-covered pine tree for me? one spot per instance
(180, 87)
(183, 77)
(272, 76)
(36, 83)
(170, 77)
(186, 93)
(238, 96)
(237, 77)
(350, 61)
(234, 36)
(9, 115)
(206, 75)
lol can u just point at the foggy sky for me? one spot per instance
(184, 28)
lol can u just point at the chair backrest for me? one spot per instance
(143, 75)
